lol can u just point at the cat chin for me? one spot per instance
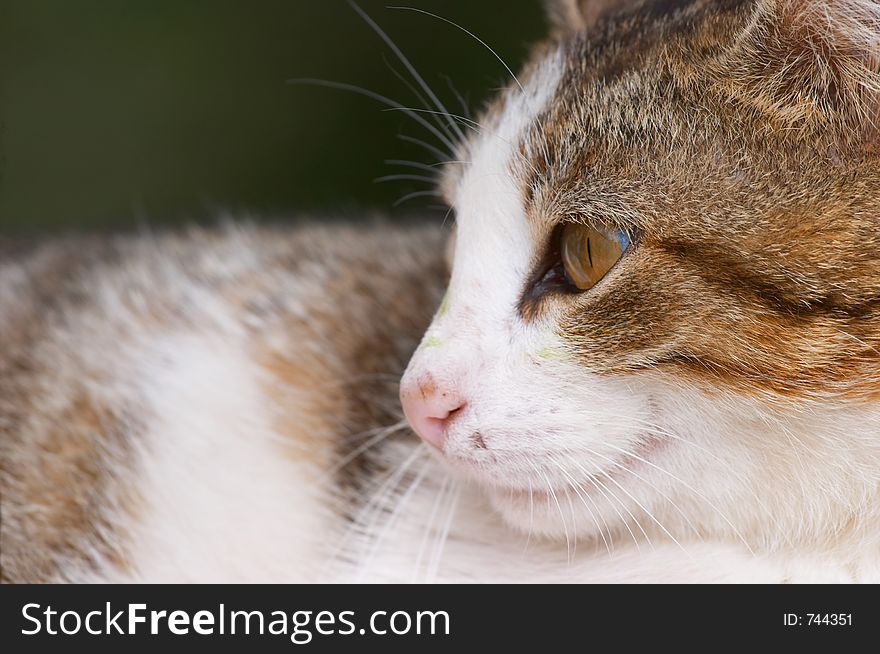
(558, 515)
(534, 514)
(572, 505)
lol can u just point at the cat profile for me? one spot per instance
(654, 355)
(698, 381)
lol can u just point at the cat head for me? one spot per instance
(664, 307)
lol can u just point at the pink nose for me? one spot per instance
(429, 408)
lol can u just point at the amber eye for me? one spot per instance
(588, 253)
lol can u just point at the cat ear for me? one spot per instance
(811, 62)
(575, 15)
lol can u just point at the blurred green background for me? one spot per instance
(118, 114)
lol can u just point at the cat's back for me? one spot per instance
(162, 391)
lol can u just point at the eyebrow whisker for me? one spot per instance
(378, 97)
(406, 63)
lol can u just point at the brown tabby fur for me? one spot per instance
(74, 313)
(738, 143)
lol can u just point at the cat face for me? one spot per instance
(705, 357)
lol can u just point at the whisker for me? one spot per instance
(469, 33)
(619, 465)
(434, 150)
(559, 507)
(693, 490)
(429, 526)
(738, 475)
(416, 194)
(466, 110)
(658, 430)
(406, 63)
(494, 54)
(386, 485)
(642, 507)
(405, 177)
(467, 122)
(601, 489)
(411, 164)
(383, 487)
(623, 505)
(522, 90)
(382, 434)
(388, 102)
(575, 486)
(450, 161)
(392, 519)
(531, 516)
(611, 502)
(437, 555)
(421, 98)
(379, 501)
(574, 529)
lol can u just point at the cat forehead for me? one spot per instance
(675, 114)
(580, 100)
(491, 177)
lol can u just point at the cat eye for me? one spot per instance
(577, 258)
(588, 253)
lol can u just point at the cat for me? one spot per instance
(655, 358)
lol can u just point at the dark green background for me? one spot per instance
(147, 112)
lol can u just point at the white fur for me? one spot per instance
(221, 499)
